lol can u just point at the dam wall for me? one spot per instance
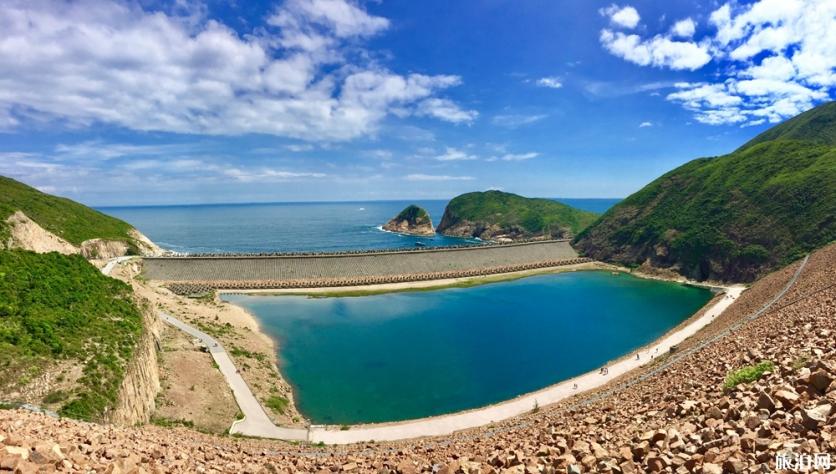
(300, 271)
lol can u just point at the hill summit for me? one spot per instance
(413, 220)
(497, 215)
(733, 217)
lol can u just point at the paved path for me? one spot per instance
(255, 422)
(112, 263)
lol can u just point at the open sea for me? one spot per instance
(290, 227)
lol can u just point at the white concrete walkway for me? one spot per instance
(255, 422)
(112, 263)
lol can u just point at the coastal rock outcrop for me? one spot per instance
(413, 220)
(501, 216)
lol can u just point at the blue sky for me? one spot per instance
(119, 103)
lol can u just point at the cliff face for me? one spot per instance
(26, 234)
(413, 220)
(136, 401)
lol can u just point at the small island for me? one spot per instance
(413, 220)
(505, 217)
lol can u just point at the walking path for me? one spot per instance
(255, 422)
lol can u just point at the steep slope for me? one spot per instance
(493, 215)
(732, 217)
(25, 213)
(412, 220)
(67, 333)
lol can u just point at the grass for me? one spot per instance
(534, 216)
(239, 352)
(58, 307)
(277, 403)
(67, 219)
(733, 217)
(748, 374)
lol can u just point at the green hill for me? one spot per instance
(496, 214)
(733, 217)
(67, 219)
(58, 312)
(414, 215)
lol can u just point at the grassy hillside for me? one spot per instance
(528, 217)
(732, 217)
(67, 219)
(414, 215)
(56, 309)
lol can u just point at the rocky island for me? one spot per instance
(413, 220)
(501, 216)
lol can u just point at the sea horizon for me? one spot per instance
(310, 226)
(352, 201)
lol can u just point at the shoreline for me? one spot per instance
(448, 423)
(420, 285)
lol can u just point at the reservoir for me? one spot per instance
(398, 356)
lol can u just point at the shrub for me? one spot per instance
(748, 374)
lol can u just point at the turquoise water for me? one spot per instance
(289, 227)
(407, 355)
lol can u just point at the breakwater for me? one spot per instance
(349, 269)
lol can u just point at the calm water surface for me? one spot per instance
(408, 355)
(315, 226)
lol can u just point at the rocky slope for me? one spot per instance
(32, 220)
(501, 216)
(413, 220)
(675, 416)
(733, 217)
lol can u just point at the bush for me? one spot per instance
(60, 307)
(277, 403)
(748, 374)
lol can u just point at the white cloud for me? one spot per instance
(516, 120)
(645, 124)
(267, 175)
(778, 58)
(437, 177)
(626, 17)
(552, 82)
(446, 110)
(453, 154)
(684, 28)
(659, 51)
(303, 76)
(299, 147)
(519, 156)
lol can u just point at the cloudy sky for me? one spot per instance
(185, 101)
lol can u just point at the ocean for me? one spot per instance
(290, 227)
